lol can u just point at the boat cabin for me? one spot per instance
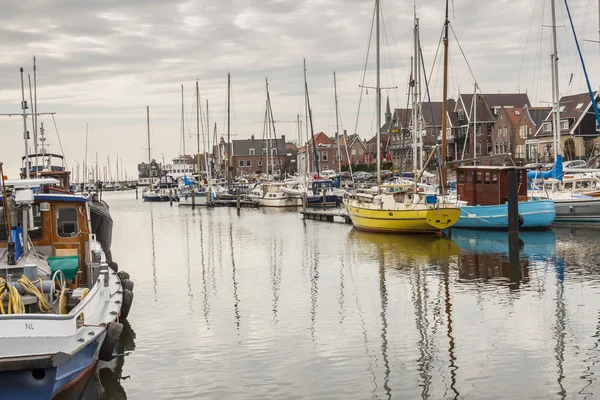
(57, 229)
(47, 165)
(482, 185)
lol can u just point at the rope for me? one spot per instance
(43, 304)
(15, 303)
(62, 302)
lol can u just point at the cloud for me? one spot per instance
(102, 62)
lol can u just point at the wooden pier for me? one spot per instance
(326, 215)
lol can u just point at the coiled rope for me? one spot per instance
(15, 303)
(43, 305)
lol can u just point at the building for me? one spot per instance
(526, 146)
(578, 128)
(326, 153)
(149, 174)
(478, 115)
(251, 156)
(504, 131)
(356, 149)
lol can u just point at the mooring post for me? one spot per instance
(238, 199)
(136, 192)
(193, 199)
(304, 202)
(171, 197)
(513, 229)
(324, 196)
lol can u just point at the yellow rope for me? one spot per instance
(15, 303)
(43, 304)
(62, 302)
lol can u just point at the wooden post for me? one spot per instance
(171, 197)
(324, 195)
(238, 199)
(193, 199)
(136, 192)
(513, 229)
(304, 202)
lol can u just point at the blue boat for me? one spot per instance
(483, 190)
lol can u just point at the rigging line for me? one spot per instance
(526, 43)
(365, 70)
(463, 54)
(384, 12)
(436, 55)
(59, 141)
(538, 53)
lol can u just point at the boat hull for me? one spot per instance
(535, 215)
(280, 202)
(51, 383)
(402, 221)
(578, 210)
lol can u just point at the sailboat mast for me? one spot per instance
(555, 91)
(35, 118)
(307, 152)
(414, 105)
(419, 93)
(444, 104)
(86, 177)
(378, 91)
(182, 122)
(228, 128)
(198, 129)
(25, 138)
(337, 125)
(149, 155)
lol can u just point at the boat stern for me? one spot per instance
(442, 218)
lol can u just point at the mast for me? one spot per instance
(475, 121)
(312, 130)
(419, 93)
(415, 118)
(378, 91)
(306, 153)
(109, 169)
(555, 88)
(337, 125)
(149, 156)
(208, 172)
(228, 127)
(198, 130)
(35, 116)
(86, 177)
(117, 168)
(444, 104)
(25, 134)
(97, 176)
(182, 122)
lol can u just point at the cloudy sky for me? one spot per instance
(101, 62)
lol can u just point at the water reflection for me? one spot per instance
(330, 312)
(106, 382)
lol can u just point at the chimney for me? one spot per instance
(283, 138)
(252, 138)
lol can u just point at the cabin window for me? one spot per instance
(66, 222)
(479, 176)
(469, 176)
(488, 177)
(34, 234)
(461, 176)
(494, 177)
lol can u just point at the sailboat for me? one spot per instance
(399, 208)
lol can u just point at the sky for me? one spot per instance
(101, 62)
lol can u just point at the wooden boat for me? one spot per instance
(59, 300)
(483, 191)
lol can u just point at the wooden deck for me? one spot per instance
(326, 215)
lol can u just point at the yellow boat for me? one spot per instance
(400, 212)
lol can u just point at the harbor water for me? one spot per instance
(265, 305)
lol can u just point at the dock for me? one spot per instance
(326, 215)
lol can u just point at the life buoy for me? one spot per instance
(123, 275)
(113, 334)
(127, 284)
(521, 220)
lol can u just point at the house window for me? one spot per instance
(517, 112)
(461, 114)
(505, 131)
(564, 125)
(274, 151)
(66, 222)
(241, 163)
(251, 152)
(562, 109)
(260, 163)
(248, 163)
(324, 155)
(578, 107)
(547, 127)
(523, 132)
(279, 162)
